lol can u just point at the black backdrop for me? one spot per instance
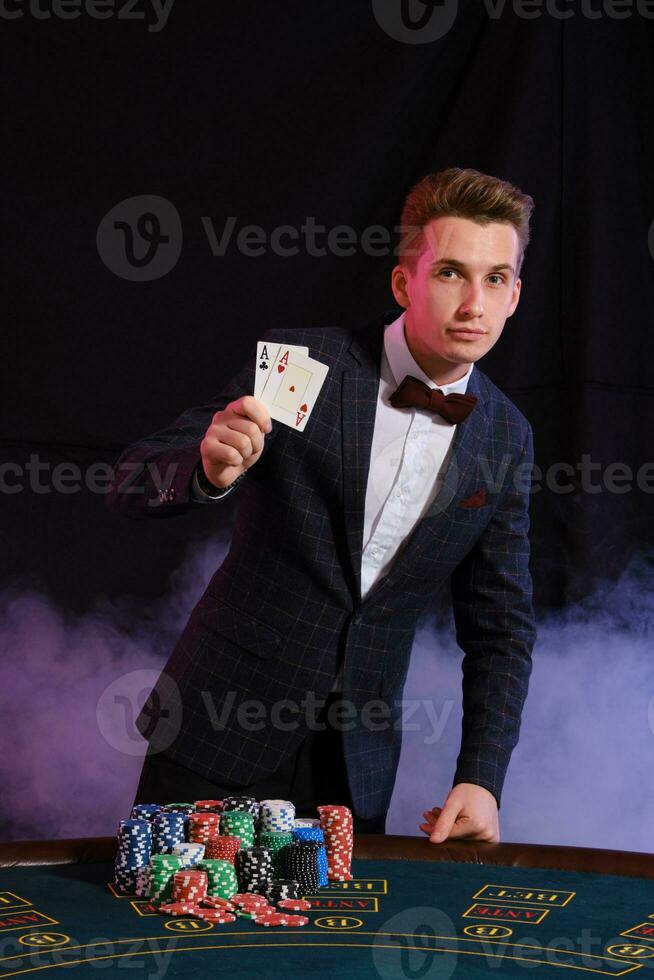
(272, 113)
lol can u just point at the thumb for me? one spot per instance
(443, 826)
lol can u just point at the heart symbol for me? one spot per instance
(303, 408)
(292, 388)
(281, 367)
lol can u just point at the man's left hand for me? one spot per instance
(470, 811)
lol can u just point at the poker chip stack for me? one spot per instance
(144, 811)
(222, 847)
(222, 881)
(208, 806)
(242, 804)
(301, 864)
(167, 830)
(315, 834)
(238, 823)
(189, 853)
(275, 841)
(281, 890)
(132, 854)
(254, 869)
(142, 887)
(276, 815)
(337, 826)
(190, 886)
(162, 870)
(202, 826)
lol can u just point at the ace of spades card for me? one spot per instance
(293, 388)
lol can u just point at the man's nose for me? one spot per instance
(473, 303)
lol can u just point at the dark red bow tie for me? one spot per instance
(412, 393)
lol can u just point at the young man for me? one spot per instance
(413, 469)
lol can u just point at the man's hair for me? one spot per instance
(461, 194)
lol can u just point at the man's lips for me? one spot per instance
(466, 333)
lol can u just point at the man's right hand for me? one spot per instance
(234, 440)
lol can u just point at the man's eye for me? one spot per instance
(445, 271)
(498, 280)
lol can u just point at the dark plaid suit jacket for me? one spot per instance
(284, 609)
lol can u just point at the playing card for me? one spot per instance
(267, 354)
(293, 388)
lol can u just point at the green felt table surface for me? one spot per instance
(397, 919)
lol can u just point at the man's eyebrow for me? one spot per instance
(461, 265)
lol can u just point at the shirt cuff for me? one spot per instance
(198, 494)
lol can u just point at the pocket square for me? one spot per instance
(477, 499)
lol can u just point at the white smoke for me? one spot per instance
(580, 775)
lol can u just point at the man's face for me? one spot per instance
(462, 291)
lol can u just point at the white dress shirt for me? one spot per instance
(411, 450)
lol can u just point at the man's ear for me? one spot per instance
(515, 297)
(399, 285)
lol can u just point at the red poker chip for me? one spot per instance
(217, 916)
(179, 908)
(277, 919)
(249, 899)
(294, 904)
(215, 902)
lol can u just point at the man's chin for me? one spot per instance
(465, 353)
(461, 351)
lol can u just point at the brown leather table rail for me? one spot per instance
(97, 850)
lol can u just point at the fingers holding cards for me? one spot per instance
(293, 388)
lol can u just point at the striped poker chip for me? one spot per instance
(217, 916)
(277, 815)
(294, 905)
(179, 908)
(278, 919)
(208, 806)
(216, 902)
(250, 899)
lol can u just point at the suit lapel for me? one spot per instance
(359, 392)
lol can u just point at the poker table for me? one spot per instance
(413, 910)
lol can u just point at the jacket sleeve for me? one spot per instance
(493, 614)
(154, 477)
